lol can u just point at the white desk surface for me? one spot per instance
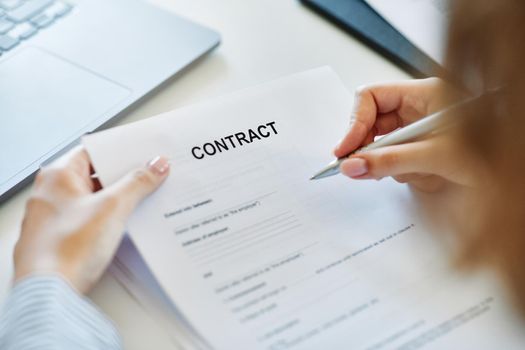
(261, 41)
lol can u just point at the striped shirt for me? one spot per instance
(46, 313)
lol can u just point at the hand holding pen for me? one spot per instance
(427, 163)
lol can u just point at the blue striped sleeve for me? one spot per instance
(46, 313)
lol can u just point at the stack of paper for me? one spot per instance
(254, 255)
(131, 271)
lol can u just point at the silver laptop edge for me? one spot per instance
(81, 72)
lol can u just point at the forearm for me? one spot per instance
(44, 312)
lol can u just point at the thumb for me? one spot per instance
(416, 157)
(130, 190)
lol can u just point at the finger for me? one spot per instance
(411, 98)
(416, 157)
(387, 123)
(384, 124)
(361, 121)
(68, 175)
(369, 138)
(129, 191)
(76, 159)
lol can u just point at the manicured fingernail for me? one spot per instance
(354, 167)
(159, 165)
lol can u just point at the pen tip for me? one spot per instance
(313, 177)
(317, 175)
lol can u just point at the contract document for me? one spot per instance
(254, 255)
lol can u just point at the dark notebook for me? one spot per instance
(360, 20)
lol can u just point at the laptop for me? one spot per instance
(69, 66)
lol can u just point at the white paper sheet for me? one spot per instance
(423, 22)
(256, 256)
(131, 271)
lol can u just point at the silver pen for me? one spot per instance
(433, 123)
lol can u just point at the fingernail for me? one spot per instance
(159, 165)
(354, 167)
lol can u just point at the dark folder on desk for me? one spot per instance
(360, 20)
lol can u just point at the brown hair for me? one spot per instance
(486, 49)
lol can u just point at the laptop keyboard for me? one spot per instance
(21, 19)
